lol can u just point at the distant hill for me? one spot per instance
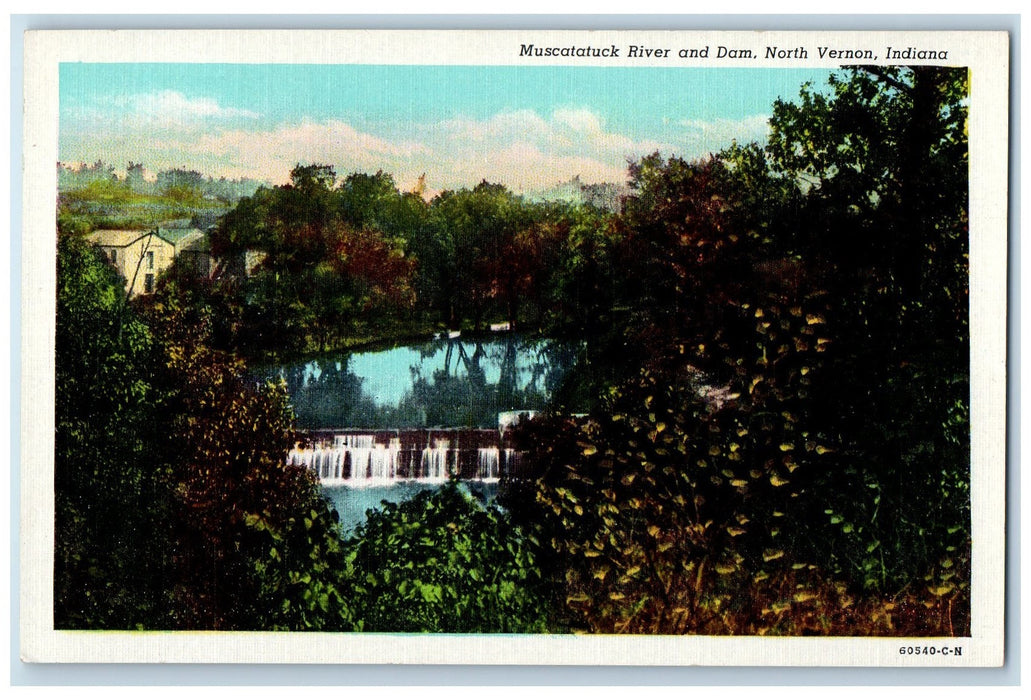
(607, 196)
(92, 197)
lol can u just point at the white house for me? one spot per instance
(139, 256)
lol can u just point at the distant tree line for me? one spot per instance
(92, 197)
(172, 182)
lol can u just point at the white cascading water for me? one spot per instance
(372, 463)
(361, 459)
(383, 461)
(434, 460)
(488, 463)
(328, 463)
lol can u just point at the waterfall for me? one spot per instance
(434, 460)
(360, 460)
(383, 461)
(488, 463)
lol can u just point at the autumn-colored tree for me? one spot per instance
(379, 271)
(327, 272)
(256, 546)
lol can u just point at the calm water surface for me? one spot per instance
(440, 383)
(352, 503)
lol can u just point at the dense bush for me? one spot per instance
(802, 412)
(110, 473)
(444, 562)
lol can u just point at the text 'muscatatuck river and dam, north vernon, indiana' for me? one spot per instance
(721, 52)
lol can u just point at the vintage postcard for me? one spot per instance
(514, 347)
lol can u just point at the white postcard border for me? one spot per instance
(986, 53)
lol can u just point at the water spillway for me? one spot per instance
(375, 458)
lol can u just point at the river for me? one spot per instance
(447, 383)
(435, 396)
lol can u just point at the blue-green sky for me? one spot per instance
(528, 128)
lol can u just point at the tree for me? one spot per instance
(256, 546)
(248, 226)
(802, 414)
(182, 185)
(328, 274)
(134, 177)
(174, 505)
(315, 176)
(880, 170)
(676, 494)
(366, 200)
(111, 506)
(580, 294)
(472, 231)
(837, 225)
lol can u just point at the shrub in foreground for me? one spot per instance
(443, 562)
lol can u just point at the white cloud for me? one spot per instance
(271, 154)
(526, 150)
(580, 120)
(522, 149)
(167, 110)
(177, 107)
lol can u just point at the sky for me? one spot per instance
(528, 128)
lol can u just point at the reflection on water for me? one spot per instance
(447, 382)
(352, 503)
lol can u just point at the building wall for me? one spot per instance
(151, 254)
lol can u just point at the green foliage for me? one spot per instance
(298, 570)
(110, 518)
(115, 205)
(442, 562)
(174, 507)
(676, 494)
(358, 258)
(92, 197)
(326, 277)
(880, 168)
(579, 294)
(800, 315)
(778, 336)
(473, 229)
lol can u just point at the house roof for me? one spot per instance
(181, 237)
(121, 238)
